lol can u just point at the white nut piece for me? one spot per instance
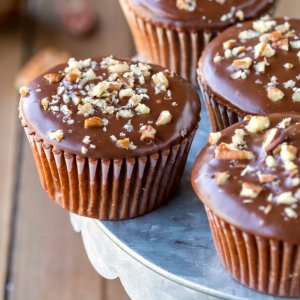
(250, 190)
(24, 91)
(221, 177)
(142, 109)
(257, 124)
(275, 94)
(164, 118)
(57, 135)
(214, 138)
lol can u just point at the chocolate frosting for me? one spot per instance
(249, 96)
(207, 13)
(185, 116)
(225, 200)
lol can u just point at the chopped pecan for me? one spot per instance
(93, 122)
(273, 138)
(72, 76)
(165, 117)
(266, 178)
(148, 133)
(250, 190)
(53, 77)
(228, 152)
(24, 91)
(221, 177)
(123, 144)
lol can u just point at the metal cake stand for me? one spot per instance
(167, 254)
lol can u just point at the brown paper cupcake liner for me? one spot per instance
(177, 50)
(266, 265)
(220, 116)
(108, 189)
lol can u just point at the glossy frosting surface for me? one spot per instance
(206, 14)
(263, 215)
(249, 95)
(180, 100)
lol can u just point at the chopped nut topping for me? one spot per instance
(221, 177)
(229, 152)
(188, 5)
(72, 76)
(214, 137)
(119, 68)
(250, 190)
(266, 178)
(148, 133)
(229, 44)
(272, 139)
(161, 81)
(286, 198)
(263, 26)
(275, 94)
(53, 77)
(217, 58)
(57, 135)
(142, 109)
(288, 152)
(270, 161)
(24, 91)
(244, 63)
(164, 118)
(45, 103)
(296, 96)
(123, 144)
(93, 122)
(257, 124)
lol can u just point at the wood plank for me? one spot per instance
(49, 259)
(288, 8)
(115, 291)
(10, 49)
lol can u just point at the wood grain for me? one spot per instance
(10, 49)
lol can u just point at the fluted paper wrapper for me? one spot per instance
(220, 116)
(266, 265)
(177, 50)
(108, 189)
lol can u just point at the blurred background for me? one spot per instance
(40, 255)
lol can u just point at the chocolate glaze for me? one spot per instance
(225, 200)
(245, 96)
(185, 117)
(206, 15)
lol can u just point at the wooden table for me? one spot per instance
(40, 256)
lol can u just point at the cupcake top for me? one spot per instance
(110, 108)
(254, 67)
(248, 175)
(199, 14)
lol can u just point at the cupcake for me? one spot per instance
(253, 69)
(174, 33)
(110, 137)
(248, 179)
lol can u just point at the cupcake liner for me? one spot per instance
(220, 116)
(178, 50)
(108, 189)
(266, 265)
